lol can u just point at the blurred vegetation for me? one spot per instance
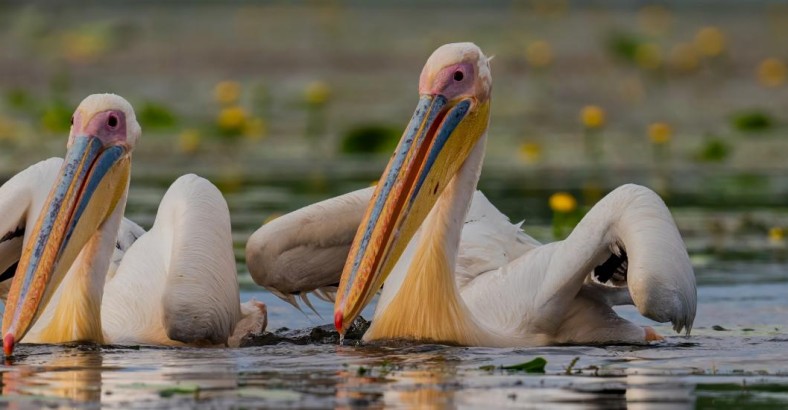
(714, 149)
(156, 116)
(370, 139)
(585, 96)
(752, 120)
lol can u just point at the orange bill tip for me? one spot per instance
(8, 344)
(338, 321)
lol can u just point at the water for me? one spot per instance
(735, 357)
(742, 365)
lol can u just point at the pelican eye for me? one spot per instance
(112, 121)
(458, 76)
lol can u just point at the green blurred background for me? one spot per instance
(282, 104)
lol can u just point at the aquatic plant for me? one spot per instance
(660, 133)
(536, 365)
(231, 120)
(189, 141)
(370, 139)
(565, 213)
(156, 116)
(752, 120)
(227, 92)
(539, 54)
(714, 149)
(710, 41)
(771, 72)
(316, 97)
(56, 116)
(530, 152)
(592, 117)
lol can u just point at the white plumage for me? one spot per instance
(507, 289)
(175, 284)
(525, 292)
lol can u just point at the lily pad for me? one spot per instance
(534, 366)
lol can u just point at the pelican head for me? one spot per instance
(92, 181)
(450, 118)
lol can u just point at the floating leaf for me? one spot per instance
(713, 150)
(623, 45)
(19, 99)
(369, 139)
(719, 328)
(753, 120)
(56, 117)
(534, 366)
(153, 115)
(488, 368)
(183, 389)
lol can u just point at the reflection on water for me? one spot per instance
(681, 373)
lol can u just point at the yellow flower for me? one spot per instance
(592, 117)
(710, 41)
(189, 141)
(660, 133)
(317, 93)
(227, 92)
(232, 119)
(648, 56)
(254, 129)
(776, 235)
(772, 72)
(530, 151)
(562, 202)
(539, 54)
(683, 57)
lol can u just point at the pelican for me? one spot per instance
(452, 268)
(85, 273)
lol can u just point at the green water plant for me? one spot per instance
(536, 365)
(370, 139)
(714, 149)
(753, 120)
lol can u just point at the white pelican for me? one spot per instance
(482, 282)
(87, 274)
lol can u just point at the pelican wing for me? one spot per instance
(21, 198)
(489, 241)
(305, 250)
(177, 283)
(554, 293)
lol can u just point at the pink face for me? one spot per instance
(454, 81)
(108, 126)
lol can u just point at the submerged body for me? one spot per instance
(86, 274)
(469, 277)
